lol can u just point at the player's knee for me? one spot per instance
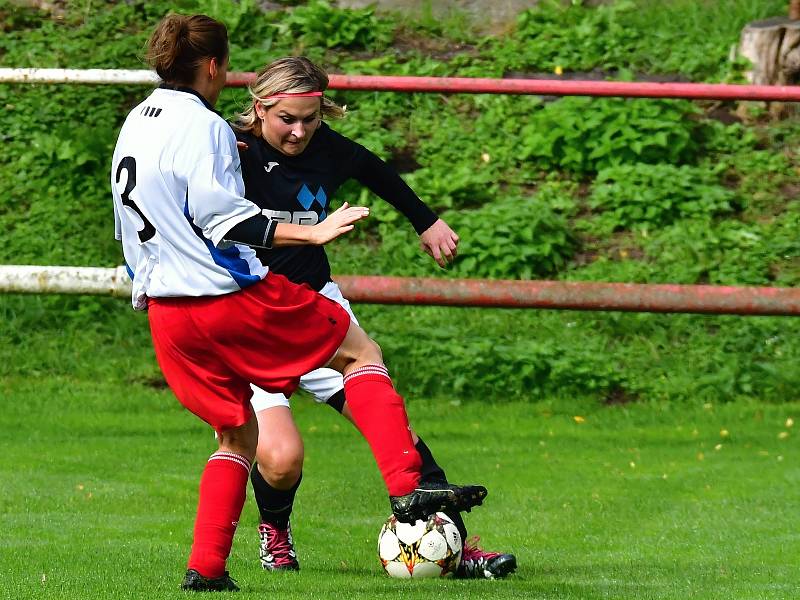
(281, 464)
(281, 476)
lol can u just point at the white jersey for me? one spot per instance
(177, 187)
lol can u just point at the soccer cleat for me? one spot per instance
(277, 548)
(476, 563)
(435, 496)
(194, 582)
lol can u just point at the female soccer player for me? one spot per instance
(219, 319)
(292, 165)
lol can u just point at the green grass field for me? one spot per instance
(99, 484)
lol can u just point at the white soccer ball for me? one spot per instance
(429, 548)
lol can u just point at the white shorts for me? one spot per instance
(320, 383)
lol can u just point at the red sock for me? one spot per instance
(380, 414)
(223, 487)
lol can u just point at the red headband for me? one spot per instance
(291, 95)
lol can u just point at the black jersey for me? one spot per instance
(298, 189)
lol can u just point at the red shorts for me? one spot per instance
(211, 348)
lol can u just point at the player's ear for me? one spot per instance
(213, 67)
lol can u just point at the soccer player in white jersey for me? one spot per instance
(218, 318)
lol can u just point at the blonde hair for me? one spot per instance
(180, 43)
(289, 75)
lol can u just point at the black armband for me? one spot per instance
(256, 231)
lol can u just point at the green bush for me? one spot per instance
(573, 37)
(322, 25)
(684, 37)
(705, 252)
(512, 238)
(649, 196)
(584, 135)
(726, 252)
(529, 354)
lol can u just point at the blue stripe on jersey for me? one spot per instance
(229, 259)
(129, 270)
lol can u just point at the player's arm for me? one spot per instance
(335, 224)
(436, 238)
(218, 207)
(263, 232)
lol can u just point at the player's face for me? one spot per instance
(290, 124)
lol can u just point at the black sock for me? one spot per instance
(336, 401)
(455, 517)
(275, 506)
(431, 471)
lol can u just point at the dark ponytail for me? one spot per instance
(180, 43)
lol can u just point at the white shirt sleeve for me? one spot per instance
(216, 201)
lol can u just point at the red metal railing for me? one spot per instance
(445, 85)
(552, 87)
(568, 295)
(573, 295)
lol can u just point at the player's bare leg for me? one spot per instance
(223, 487)
(279, 465)
(378, 411)
(279, 457)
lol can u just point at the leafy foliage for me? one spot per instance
(728, 252)
(649, 196)
(514, 238)
(585, 135)
(552, 35)
(658, 36)
(320, 24)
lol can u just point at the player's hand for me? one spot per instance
(241, 145)
(338, 222)
(440, 242)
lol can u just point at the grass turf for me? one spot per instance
(99, 487)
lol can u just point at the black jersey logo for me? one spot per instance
(150, 111)
(269, 166)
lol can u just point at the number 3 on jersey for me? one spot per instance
(129, 165)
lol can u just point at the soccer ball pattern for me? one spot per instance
(429, 548)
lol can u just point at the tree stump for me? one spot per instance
(773, 48)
